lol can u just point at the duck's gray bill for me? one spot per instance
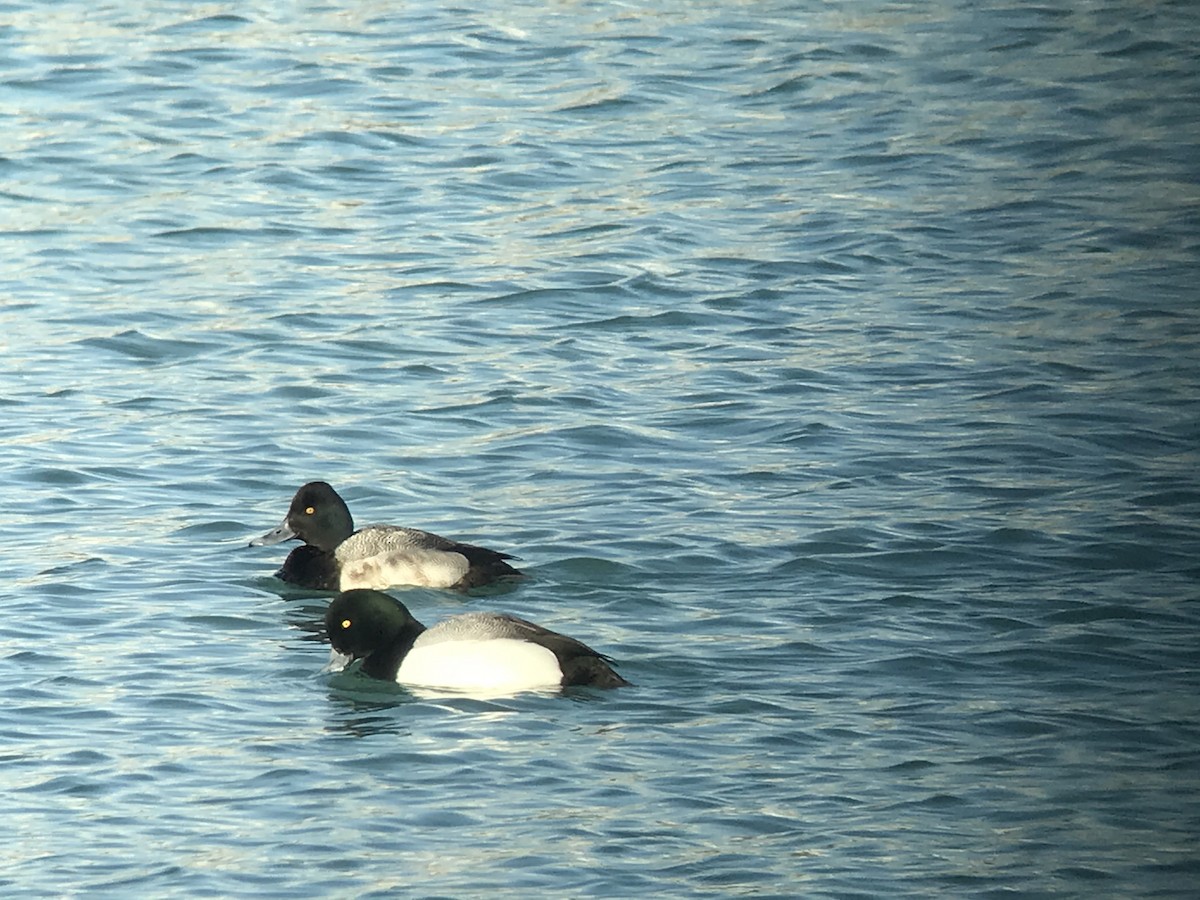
(337, 662)
(278, 536)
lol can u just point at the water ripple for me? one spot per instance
(834, 370)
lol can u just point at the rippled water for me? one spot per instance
(832, 366)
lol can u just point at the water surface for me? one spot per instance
(833, 367)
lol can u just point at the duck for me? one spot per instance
(336, 557)
(476, 652)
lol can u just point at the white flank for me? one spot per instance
(425, 568)
(495, 666)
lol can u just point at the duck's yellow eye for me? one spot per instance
(345, 623)
(310, 510)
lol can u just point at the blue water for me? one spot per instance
(835, 367)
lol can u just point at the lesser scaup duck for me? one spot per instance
(474, 652)
(336, 557)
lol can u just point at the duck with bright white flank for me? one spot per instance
(474, 652)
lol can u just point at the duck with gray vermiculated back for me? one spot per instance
(473, 652)
(335, 556)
